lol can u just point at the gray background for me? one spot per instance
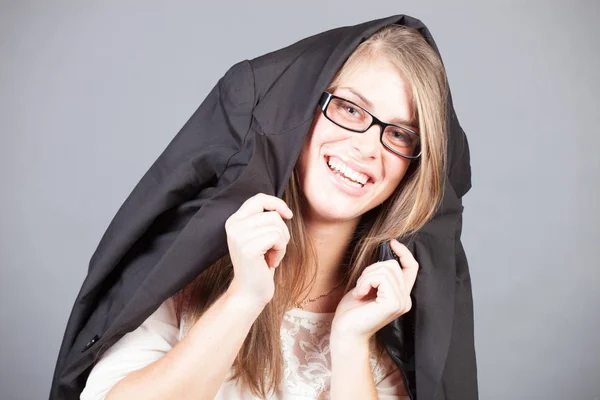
(92, 92)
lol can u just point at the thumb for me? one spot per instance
(274, 255)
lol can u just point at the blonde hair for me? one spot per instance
(259, 362)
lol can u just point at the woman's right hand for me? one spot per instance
(257, 242)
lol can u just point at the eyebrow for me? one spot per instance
(399, 121)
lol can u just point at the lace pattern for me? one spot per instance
(307, 359)
(306, 353)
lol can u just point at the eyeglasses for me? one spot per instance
(344, 113)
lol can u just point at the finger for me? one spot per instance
(388, 293)
(380, 281)
(410, 266)
(368, 269)
(248, 239)
(363, 287)
(261, 202)
(276, 253)
(391, 266)
(395, 269)
(271, 244)
(267, 218)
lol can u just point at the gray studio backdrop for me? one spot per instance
(92, 92)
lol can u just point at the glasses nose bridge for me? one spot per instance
(367, 144)
(376, 122)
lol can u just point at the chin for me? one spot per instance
(325, 204)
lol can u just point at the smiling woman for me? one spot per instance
(352, 152)
(302, 305)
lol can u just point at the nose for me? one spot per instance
(367, 143)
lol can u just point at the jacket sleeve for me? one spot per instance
(189, 171)
(157, 335)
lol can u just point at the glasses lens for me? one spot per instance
(347, 114)
(400, 140)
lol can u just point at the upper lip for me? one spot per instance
(355, 166)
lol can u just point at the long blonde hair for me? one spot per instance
(259, 363)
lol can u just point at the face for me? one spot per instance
(331, 197)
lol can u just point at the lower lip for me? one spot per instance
(342, 185)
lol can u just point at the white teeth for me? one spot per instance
(349, 182)
(347, 171)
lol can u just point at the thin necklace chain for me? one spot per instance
(304, 302)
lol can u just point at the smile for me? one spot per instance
(347, 173)
(349, 180)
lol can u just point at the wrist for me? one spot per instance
(343, 333)
(244, 303)
(253, 296)
(346, 343)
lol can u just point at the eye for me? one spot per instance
(400, 136)
(351, 110)
(346, 113)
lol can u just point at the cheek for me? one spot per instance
(325, 133)
(307, 150)
(395, 169)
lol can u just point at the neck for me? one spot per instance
(331, 240)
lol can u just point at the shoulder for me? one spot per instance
(150, 341)
(159, 332)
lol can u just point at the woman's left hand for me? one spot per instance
(382, 294)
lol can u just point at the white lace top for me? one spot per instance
(305, 345)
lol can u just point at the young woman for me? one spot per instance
(292, 310)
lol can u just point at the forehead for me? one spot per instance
(380, 87)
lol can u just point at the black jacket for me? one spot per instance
(243, 139)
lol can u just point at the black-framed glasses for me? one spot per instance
(399, 140)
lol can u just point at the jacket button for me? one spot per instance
(91, 342)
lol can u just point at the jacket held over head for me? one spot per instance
(244, 139)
